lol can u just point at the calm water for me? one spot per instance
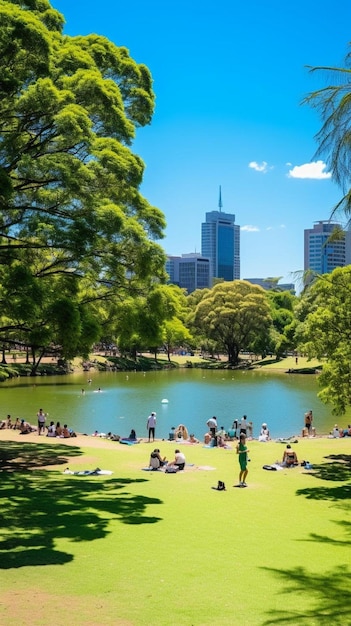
(193, 396)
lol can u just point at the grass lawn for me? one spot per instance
(138, 548)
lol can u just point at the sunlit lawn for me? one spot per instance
(141, 548)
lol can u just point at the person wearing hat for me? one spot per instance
(264, 433)
(151, 425)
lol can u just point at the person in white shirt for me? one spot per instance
(212, 426)
(51, 430)
(243, 425)
(150, 425)
(264, 433)
(179, 460)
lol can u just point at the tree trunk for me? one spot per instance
(36, 363)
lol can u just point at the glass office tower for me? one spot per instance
(220, 242)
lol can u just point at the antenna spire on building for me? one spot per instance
(220, 203)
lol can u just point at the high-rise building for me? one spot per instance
(322, 255)
(189, 271)
(220, 242)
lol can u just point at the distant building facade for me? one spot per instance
(270, 283)
(220, 242)
(321, 255)
(189, 271)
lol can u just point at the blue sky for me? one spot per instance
(229, 78)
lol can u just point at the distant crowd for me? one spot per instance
(25, 428)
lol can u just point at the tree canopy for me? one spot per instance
(324, 332)
(234, 314)
(72, 219)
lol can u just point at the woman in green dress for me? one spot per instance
(242, 451)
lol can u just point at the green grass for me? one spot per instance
(139, 548)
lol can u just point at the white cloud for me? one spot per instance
(260, 167)
(315, 170)
(275, 227)
(250, 229)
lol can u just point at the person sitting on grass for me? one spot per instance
(192, 438)
(264, 433)
(179, 460)
(51, 430)
(207, 438)
(289, 457)
(65, 432)
(156, 461)
(221, 436)
(17, 424)
(25, 428)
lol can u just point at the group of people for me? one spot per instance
(56, 430)
(25, 428)
(340, 432)
(220, 437)
(53, 430)
(156, 461)
(8, 423)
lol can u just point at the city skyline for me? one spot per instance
(229, 81)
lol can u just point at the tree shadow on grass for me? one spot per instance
(329, 591)
(40, 507)
(320, 598)
(24, 456)
(337, 469)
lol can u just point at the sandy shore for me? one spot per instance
(80, 440)
(101, 442)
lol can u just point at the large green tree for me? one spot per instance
(234, 314)
(141, 322)
(70, 203)
(324, 332)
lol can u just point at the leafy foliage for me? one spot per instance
(72, 220)
(325, 332)
(333, 102)
(234, 314)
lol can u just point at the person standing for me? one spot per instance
(243, 425)
(212, 426)
(235, 427)
(151, 425)
(242, 452)
(41, 421)
(308, 421)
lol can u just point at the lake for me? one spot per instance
(126, 400)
